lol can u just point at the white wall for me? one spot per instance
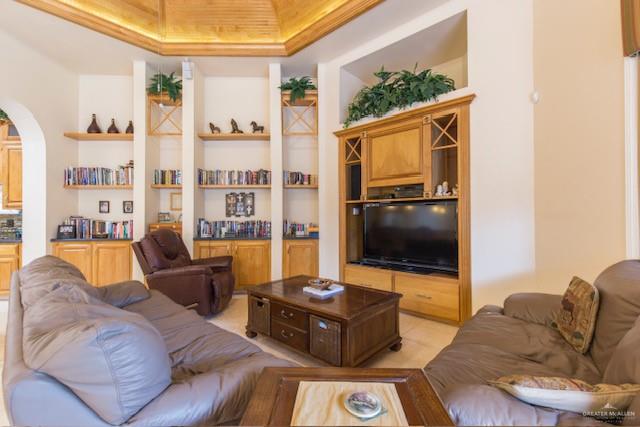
(48, 93)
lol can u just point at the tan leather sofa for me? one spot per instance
(119, 355)
(517, 339)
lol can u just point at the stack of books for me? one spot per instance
(167, 177)
(233, 177)
(322, 294)
(121, 175)
(295, 229)
(299, 178)
(86, 228)
(233, 229)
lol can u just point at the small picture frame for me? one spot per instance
(175, 201)
(164, 217)
(66, 232)
(103, 206)
(127, 206)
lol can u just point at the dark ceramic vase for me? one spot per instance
(129, 128)
(113, 128)
(93, 127)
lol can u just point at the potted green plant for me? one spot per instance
(4, 118)
(165, 84)
(397, 89)
(298, 87)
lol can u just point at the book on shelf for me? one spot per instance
(167, 177)
(233, 229)
(299, 178)
(234, 177)
(87, 228)
(295, 229)
(121, 175)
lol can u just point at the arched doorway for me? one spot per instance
(34, 179)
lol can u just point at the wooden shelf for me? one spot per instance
(79, 136)
(234, 136)
(400, 199)
(176, 186)
(164, 100)
(306, 187)
(99, 187)
(224, 186)
(300, 134)
(310, 99)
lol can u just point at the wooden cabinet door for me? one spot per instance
(12, 175)
(395, 154)
(200, 249)
(251, 262)
(78, 254)
(300, 258)
(111, 262)
(223, 248)
(9, 262)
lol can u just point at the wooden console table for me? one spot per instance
(344, 330)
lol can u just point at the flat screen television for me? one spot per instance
(412, 235)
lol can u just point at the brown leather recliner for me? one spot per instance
(168, 267)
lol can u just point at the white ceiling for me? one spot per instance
(88, 52)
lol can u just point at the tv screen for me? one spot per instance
(415, 234)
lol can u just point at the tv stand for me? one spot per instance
(404, 267)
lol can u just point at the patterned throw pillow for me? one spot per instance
(569, 394)
(576, 319)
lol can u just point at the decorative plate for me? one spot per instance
(321, 284)
(363, 404)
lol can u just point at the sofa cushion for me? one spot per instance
(624, 365)
(113, 360)
(533, 307)
(576, 318)
(124, 293)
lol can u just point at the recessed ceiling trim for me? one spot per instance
(313, 32)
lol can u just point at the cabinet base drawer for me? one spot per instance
(438, 297)
(289, 335)
(289, 316)
(324, 339)
(369, 277)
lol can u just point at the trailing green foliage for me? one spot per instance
(298, 87)
(4, 118)
(397, 89)
(163, 83)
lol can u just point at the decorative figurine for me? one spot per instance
(439, 191)
(113, 128)
(93, 127)
(214, 128)
(234, 127)
(129, 128)
(257, 128)
(455, 190)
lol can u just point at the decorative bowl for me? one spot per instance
(322, 284)
(363, 404)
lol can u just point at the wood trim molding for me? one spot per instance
(155, 43)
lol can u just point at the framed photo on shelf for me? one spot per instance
(66, 232)
(103, 206)
(175, 201)
(127, 206)
(164, 217)
(240, 204)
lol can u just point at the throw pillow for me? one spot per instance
(576, 319)
(568, 394)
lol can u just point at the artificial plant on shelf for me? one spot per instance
(4, 118)
(397, 89)
(169, 84)
(298, 87)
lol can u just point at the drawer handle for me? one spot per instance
(285, 335)
(322, 325)
(285, 315)
(423, 296)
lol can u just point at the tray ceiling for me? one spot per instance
(211, 27)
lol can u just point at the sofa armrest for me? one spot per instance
(191, 270)
(122, 294)
(533, 307)
(217, 264)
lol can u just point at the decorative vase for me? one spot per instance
(113, 128)
(129, 128)
(93, 127)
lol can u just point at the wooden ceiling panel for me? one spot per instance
(296, 15)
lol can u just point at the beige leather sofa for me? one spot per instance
(516, 339)
(120, 355)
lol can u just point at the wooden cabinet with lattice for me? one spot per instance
(300, 117)
(164, 115)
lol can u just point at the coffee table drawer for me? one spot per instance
(369, 277)
(438, 297)
(289, 335)
(324, 339)
(289, 316)
(259, 314)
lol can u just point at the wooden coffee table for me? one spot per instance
(274, 397)
(344, 330)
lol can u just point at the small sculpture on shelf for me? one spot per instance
(443, 190)
(234, 127)
(439, 190)
(130, 127)
(113, 128)
(257, 128)
(455, 190)
(93, 127)
(214, 128)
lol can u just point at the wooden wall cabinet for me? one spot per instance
(175, 226)
(251, 258)
(102, 263)
(300, 257)
(11, 172)
(10, 261)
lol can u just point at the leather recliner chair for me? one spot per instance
(206, 283)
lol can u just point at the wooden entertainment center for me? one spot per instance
(420, 148)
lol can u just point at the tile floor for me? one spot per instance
(422, 339)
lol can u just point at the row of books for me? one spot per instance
(296, 229)
(233, 229)
(234, 177)
(167, 177)
(87, 228)
(299, 178)
(122, 175)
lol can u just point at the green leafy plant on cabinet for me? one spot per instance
(165, 83)
(298, 87)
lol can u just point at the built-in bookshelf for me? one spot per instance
(79, 136)
(234, 136)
